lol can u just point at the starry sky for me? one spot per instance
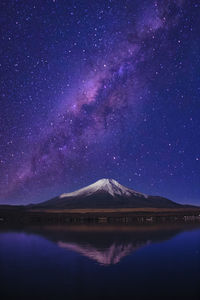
(99, 89)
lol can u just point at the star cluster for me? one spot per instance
(102, 89)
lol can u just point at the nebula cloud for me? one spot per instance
(108, 92)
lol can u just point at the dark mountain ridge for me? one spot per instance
(107, 193)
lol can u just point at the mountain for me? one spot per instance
(106, 193)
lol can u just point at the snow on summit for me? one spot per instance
(109, 186)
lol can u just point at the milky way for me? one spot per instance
(118, 69)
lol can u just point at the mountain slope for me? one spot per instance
(106, 193)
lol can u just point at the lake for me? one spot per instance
(100, 262)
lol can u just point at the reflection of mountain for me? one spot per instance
(106, 245)
(111, 255)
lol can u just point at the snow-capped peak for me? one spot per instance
(110, 186)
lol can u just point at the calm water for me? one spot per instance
(97, 262)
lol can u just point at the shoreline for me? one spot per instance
(21, 215)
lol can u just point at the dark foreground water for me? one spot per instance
(98, 262)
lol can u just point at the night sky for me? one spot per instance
(99, 89)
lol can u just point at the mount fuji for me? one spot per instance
(106, 193)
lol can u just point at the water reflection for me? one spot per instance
(106, 245)
(98, 262)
